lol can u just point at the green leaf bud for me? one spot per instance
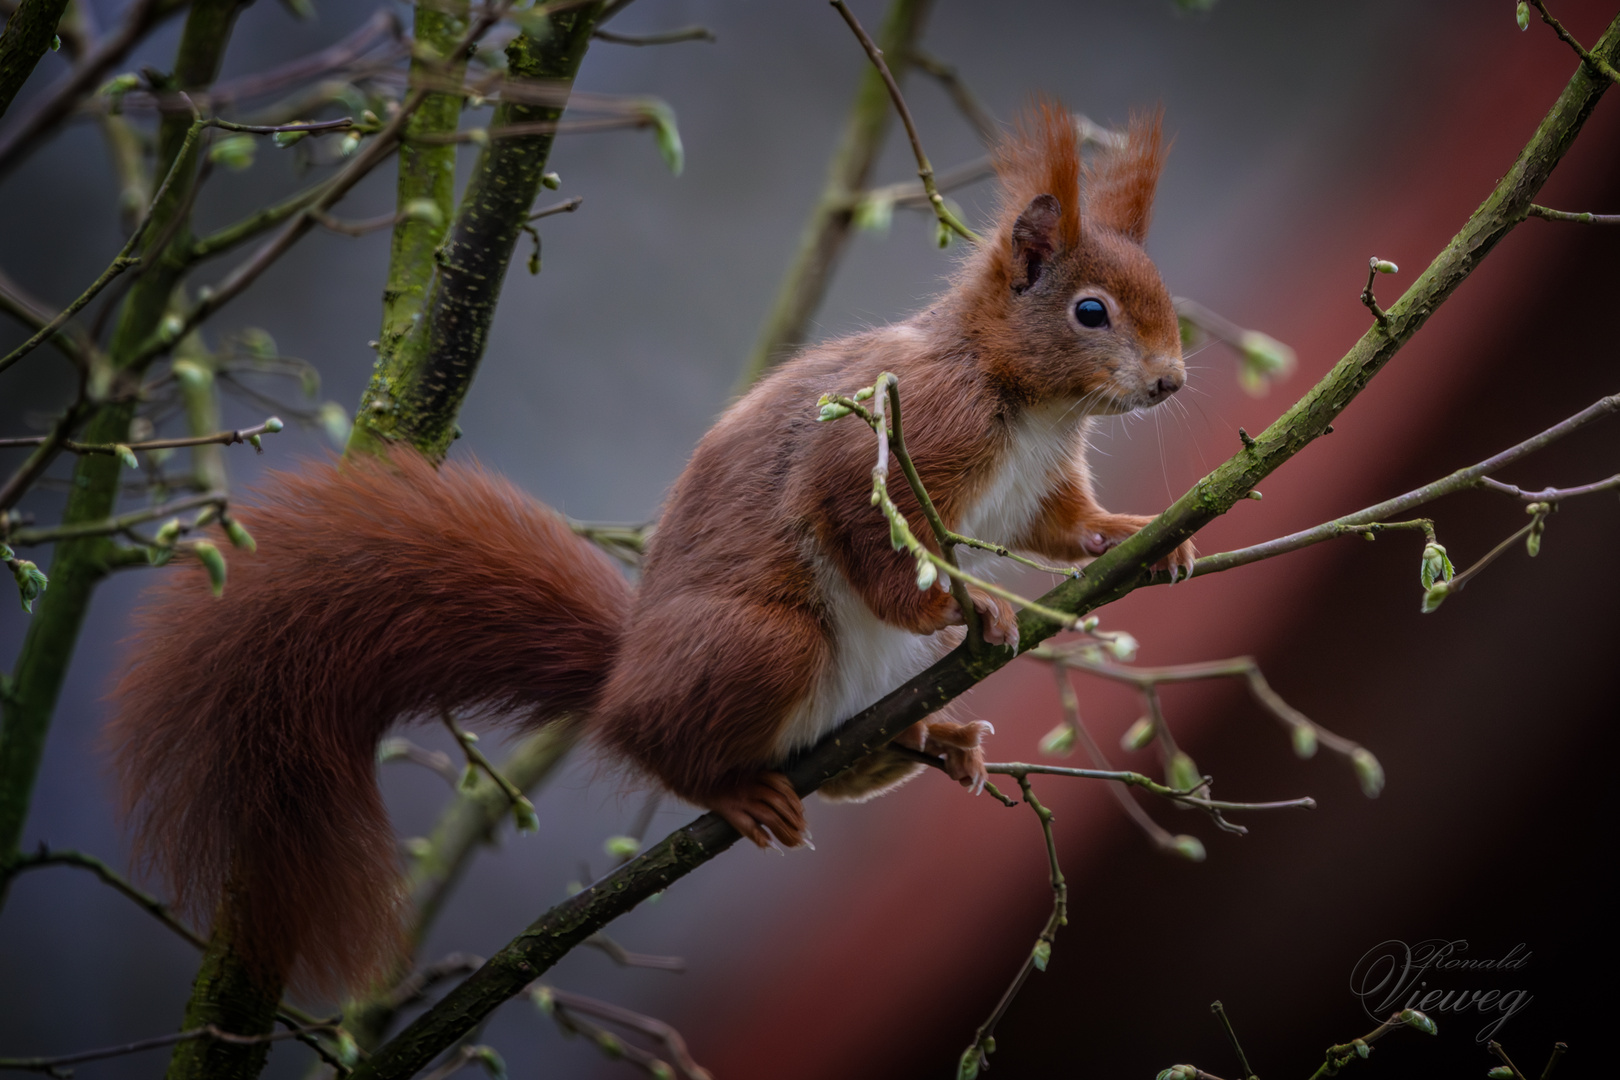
(1138, 735)
(544, 999)
(190, 374)
(523, 815)
(287, 138)
(1042, 954)
(126, 455)
(1414, 1019)
(1059, 742)
(1089, 623)
(348, 1051)
(833, 411)
(622, 847)
(1181, 772)
(1368, 771)
(874, 213)
(1532, 543)
(967, 1068)
(1522, 14)
(897, 534)
(1436, 565)
(926, 574)
(1123, 646)
(235, 152)
(942, 235)
(170, 326)
(273, 425)
(424, 210)
(31, 581)
(256, 442)
(1501, 1072)
(213, 562)
(258, 343)
(240, 537)
(1362, 1049)
(119, 85)
(334, 420)
(609, 1044)
(206, 516)
(491, 1060)
(349, 143)
(550, 181)
(469, 780)
(1266, 354)
(667, 134)
(159, 556)
(1188, 847)
(1304, 738)
(865, 393)
(1435, 596)
(1384, 266)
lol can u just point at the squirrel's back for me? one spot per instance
(247, 726)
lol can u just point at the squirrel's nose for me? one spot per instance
(1166, 385)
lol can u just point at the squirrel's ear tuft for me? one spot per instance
(1040, 159)
(1034, 240)
(1119, 185)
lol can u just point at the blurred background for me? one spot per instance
(1307, 137)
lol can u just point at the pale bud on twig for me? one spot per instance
(1059, 742)
(1138, 735)
(1188, 847)
(1304, 738)
(1368, 771)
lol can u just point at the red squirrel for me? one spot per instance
(771, 605)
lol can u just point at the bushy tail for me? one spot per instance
(247, 726)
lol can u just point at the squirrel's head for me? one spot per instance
(1064, 301)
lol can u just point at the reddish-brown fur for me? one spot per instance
(248, 725)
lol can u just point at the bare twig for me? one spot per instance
(1596, 63)
(925, 171)
(1550, 214)
(1461, 480)
(150, 904)
(57, 1066)
(668, 37)
(977, 1055)
(566, 1008)
(984, 125)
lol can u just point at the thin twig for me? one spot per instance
(150, 904)
(56, 1065)
(112, 526)
(984, 1038)
(1596, 63)
(557, 1002)
(668, 37)
(1461, 480)
(1550, 214)
(925, 171)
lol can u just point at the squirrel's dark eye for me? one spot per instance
(1091, 313)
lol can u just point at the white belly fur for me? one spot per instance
(873, 657)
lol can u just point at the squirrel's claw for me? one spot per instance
(765, 810)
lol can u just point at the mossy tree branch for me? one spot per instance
(27, 37)
(422, 378)
(1112, 576)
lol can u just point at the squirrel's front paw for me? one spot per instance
(1103, 536)
(997, 618)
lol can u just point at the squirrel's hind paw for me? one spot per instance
(962, 746)
(765, 810)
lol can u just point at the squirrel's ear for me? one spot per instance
(1034, 241)
(1121, 184)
